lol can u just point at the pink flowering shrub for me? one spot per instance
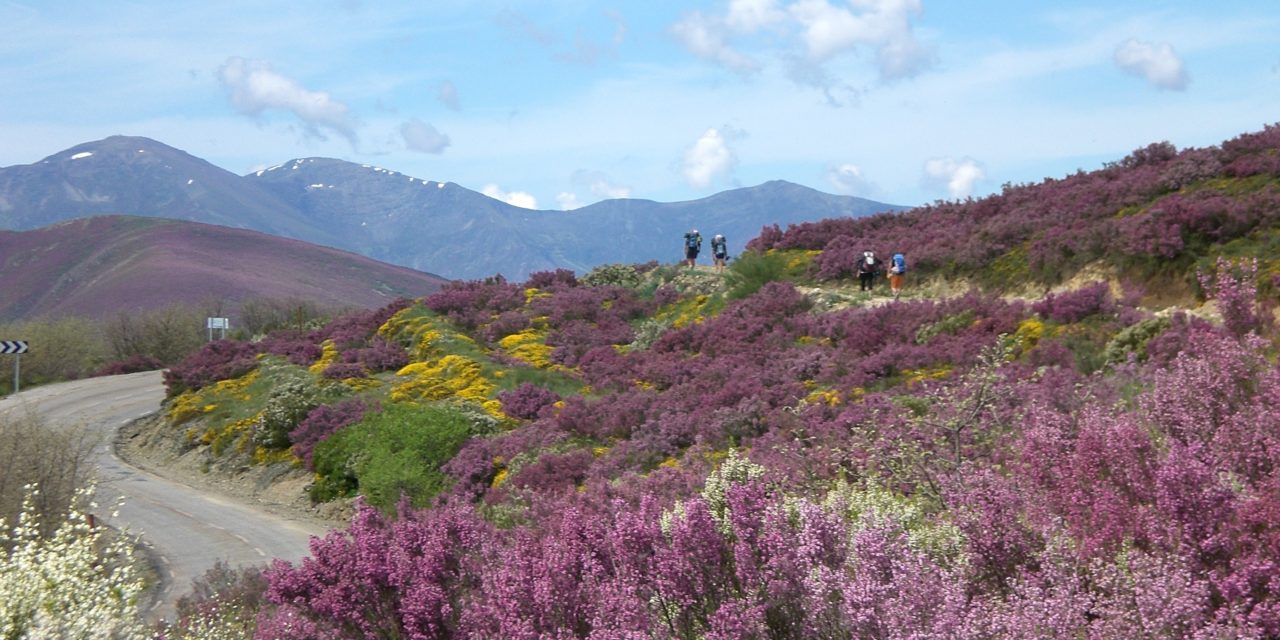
(1156, 205)
(1234, 287)
(217, 360)
(527, 400)
(322, 422)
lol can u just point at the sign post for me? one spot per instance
(17, 348)
(221, 324)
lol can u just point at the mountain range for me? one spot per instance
(431, 226)
(97, 267)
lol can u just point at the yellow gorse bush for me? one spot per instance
(428, 336)
(914, 376)
(452, 376)
(189, 404)
(528, 346)
(328, 354)
(1029, 333)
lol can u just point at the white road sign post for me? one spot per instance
(17, 348)
(221, 324)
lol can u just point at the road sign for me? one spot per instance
(13, 346)
(17, 348)
(219, 323)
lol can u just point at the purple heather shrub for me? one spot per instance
(1235, 289)
(665, 295)
(473, 303)
(217, 360)
(287, 622)
(344, 370)
(1062, 224)
(355, 329)
(554, 472)
(380, 579)
(322, 422)
(552, 279)
(573, 339)
(380, 355)
(527, 401)
(1076, 305)
(1170, 343)
(507, 323)
(133, 364)
(298, 347)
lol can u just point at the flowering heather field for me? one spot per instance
(645, 453)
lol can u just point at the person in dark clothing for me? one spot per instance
(867, 268)
(692, 245)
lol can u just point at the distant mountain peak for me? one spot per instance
(387, 215)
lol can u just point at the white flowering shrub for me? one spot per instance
(73, 584)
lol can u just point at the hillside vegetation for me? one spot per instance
(655, 452)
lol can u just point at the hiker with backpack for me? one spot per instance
(719, 251)
(692, 245)
(897, 273)
(867, 268)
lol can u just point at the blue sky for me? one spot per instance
(560, 104)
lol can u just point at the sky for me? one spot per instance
(559, 104)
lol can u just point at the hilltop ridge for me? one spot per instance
(428, 225)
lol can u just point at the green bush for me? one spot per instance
(290, 401)
(397, 451)
(753, 270)
(61, 349)
(616, 275)
(949, 325)
(1134, 339)
(648, 332)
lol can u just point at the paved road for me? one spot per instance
(187, 530)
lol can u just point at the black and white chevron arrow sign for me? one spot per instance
(13, 346)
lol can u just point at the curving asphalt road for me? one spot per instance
(186, 530)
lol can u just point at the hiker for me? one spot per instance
(867, 268)
(692, 244)
(897, 273)
(719, 251)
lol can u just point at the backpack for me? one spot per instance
(692, 241)
(899, 263)
(718, 245)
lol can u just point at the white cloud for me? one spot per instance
(568, 201)
(820, 30)
(747, 16)
(600, 184)
(514, 198)
(420, 136)
(708, 158)
(848, 180)
(448, 96)
(959, 176)
(884, 24)
(1158, 63)
(706, 37)
(255, 87)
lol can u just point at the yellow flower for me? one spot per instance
(450, 376)
(528, 346)
(328, 354)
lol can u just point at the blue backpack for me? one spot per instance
(899, 263)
